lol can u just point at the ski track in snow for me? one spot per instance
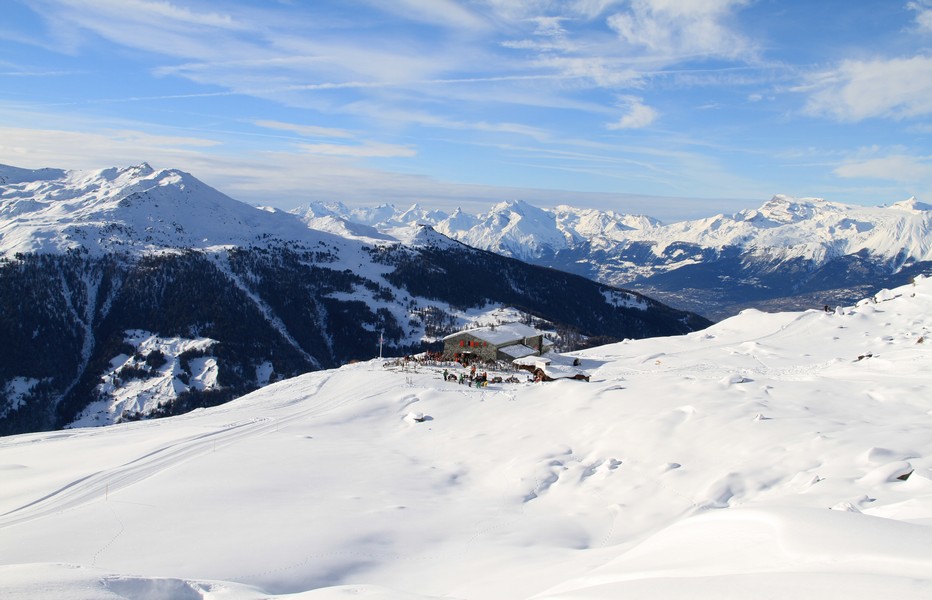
(100, 484)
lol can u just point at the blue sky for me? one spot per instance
(673, 108)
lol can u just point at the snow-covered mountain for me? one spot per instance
(801, 252)
(133, 291)
(771, 455)
(135, 210)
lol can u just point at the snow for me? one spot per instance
(517, 351)
(134, 386)
(620, 299)
(491, 315)
(500, 334)
(783, 228)
(264, 373)
(15, 390)
(757, 458)
(133, 209)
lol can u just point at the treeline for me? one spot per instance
(64, 317)
(466, 277)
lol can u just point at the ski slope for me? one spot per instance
(771, 455)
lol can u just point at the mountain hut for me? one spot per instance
(507, 341)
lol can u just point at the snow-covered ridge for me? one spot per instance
(783, 227)
(133, 209)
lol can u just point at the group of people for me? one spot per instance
(475, 378)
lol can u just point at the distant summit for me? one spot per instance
(133, 210)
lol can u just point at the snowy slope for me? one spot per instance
(771, 455)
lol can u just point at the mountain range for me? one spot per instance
(788, 254)
(133, 292)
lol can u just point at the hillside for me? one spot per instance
(788, 254)
(129, 293)
(781, 454)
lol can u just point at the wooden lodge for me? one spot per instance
(507, 341)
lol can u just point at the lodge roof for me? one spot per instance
(553, 365)
(563, 372)
(517, 351)
(499, 334)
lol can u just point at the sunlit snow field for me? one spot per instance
(773, 455)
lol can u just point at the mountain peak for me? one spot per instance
(139, 171)
(519, 207)
(783, 210)
(131, 209)
(142, 169)
(422, 234)
(10, 174)
(911, 204)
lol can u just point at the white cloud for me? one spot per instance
(146, 10)
(364, 150)
(253, 50)
(35, 148)
(446, 13)
(603, 72)
(593, 8)
(426, 119)
(923, 10)
(550, 36)
(857, 90)
(306, 130)
(674, 28)
(898, 167)
(638, 114)
(156, 26)
(516, 10)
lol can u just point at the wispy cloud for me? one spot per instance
(422, 118)
(306, 130)
(603, 72)
(36, 73)
(857, 89)
(445, 13)
(148, 10)
(95, 149)
(161, 27)
(364, 150)
(895, 167)
(637, 114)
(682, 28)
(923, 10)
